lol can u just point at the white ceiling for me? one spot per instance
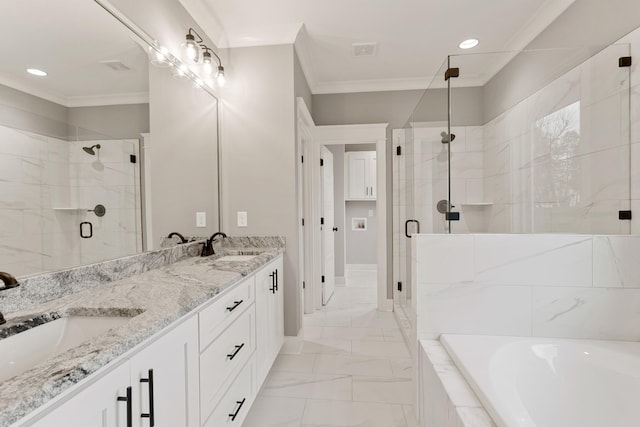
(414, 37)
(69, 41)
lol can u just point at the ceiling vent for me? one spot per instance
(364, 49)
(115, 65)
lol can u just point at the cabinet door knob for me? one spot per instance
(151, 414)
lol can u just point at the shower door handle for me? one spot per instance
(406, 227)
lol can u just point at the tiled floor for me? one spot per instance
(352, 369)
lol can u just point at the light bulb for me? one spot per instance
(206, 62)
(220, 77)
(191, 48)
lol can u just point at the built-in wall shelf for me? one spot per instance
(478, 205)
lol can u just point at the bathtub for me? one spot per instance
(545, 382)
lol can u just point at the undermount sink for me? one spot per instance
(24, 350)
(236, 258)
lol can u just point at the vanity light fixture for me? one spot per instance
(207, 63)
(192, 46)
(468, 44)
(159, 56)
(36, 72)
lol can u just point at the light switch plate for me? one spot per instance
(242, 219)
(201, 219)
(370, 212)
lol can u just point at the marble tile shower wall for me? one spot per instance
(549, 285)
(559, 160)
(46, 186)
(430, 177)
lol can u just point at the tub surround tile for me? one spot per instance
(474, 309)
(615, 261)
(158, 286)
(556, 260)
(448, 399)
(595, 313)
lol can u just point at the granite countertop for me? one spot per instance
(153, 300)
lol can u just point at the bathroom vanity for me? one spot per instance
(198, 339)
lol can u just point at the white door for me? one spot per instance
(328, 255)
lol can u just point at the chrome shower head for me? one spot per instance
(90, 150)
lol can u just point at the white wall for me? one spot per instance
(361, 244)
(259, 156)
(573, 286)
(183, 156)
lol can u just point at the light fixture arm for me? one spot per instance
(191, 30)
(208, 49)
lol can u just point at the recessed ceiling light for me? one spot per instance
(468, 44)
(36, 72)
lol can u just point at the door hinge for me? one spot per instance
(321, 162)
(451, 73)
(624, 61)
(303, 222)
(133, 158)
(304, 285)
(399, 286)
(399, 150)
(301, 159)
(322, 279)
(322, 221)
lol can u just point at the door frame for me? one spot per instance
(310, 200)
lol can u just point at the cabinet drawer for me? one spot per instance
(234, 405)
(222, 360)
(215, 318)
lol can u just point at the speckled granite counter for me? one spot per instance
(154, 298)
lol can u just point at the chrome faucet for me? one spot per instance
(207, 249)
(180, 236)
(9, 283)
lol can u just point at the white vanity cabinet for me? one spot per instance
(361, 175)
(159, 383)
(96, 405)
(164, 378)
(269, 316)
(205, 370)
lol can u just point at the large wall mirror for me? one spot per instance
(106, 153)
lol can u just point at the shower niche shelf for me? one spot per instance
(478, 205)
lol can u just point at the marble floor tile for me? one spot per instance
(310, 386)
(410, 416)
(395, 350)
(362, 334)
(326, 346)
(294, 363)
(275, 412)
(384, 390)
(309, 331)
(351, 414)
(352, 365)
(375, 319)
(392, 335)
(402, 368)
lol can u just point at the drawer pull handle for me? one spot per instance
(274, 286)
(127, 399)
(238, 348)
(151, 414)
(235, 305)
(277, 281)
(237, 411)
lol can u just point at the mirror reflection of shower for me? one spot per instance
(92, 151)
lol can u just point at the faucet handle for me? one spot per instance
(8, 280)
